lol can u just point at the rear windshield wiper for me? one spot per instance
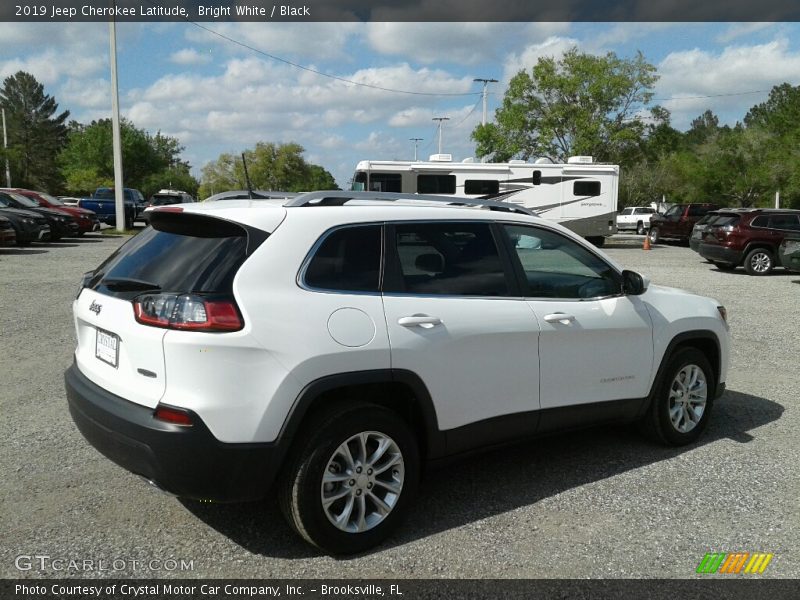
(123, 284)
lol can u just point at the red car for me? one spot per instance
(86, 219)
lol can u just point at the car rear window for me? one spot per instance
(161, 200)
(181, 253)
(723, 220)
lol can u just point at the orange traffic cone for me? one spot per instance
(646, 245)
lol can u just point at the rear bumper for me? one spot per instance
(719, 253)
(8, 237)
(185, 461)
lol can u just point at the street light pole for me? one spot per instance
(441, 121)
(416, 143)
(5, 146)
(119, 191)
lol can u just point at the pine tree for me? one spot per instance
(35, 133)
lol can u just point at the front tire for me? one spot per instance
(681, 406)
(351, 479)
(640, 228)
(654, 235)
(759, 261)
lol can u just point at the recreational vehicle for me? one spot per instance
(581, 194)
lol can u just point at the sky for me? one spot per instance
(223, 87)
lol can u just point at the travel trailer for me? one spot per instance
(581, 194)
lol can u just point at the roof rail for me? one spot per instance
(340, 198)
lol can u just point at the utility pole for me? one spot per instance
(486, 82)
(441, 121)
(5, 146)
(119, 191)
(416, 143)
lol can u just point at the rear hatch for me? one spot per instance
(183, 256)
(719, 229)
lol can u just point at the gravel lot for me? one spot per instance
(601, 503)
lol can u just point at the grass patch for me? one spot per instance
(112, 231)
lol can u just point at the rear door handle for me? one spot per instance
(559, 318)
(423, 321)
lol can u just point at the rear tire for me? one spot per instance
(759, 261)
(654, 235)
(640, 228)
(681, 405)
(370, 460)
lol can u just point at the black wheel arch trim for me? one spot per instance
(435, 439)
(682, 339)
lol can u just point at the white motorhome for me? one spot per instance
(581, 194)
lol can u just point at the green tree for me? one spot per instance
(36, 133)
(270, 166)
(87, 160)
(579, 104)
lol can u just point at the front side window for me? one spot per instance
(458, 259)
(348, 259)
(557, 267)
(436, 184)
(385, 182)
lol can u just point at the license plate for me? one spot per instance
(107, 347)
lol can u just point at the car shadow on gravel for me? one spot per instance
(499, 481)
(17, 251)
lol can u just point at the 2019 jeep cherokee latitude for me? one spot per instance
(329, 344)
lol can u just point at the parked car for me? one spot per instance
(678, 221)
(86, 219)
(103, 203)
(61, 225)
(748, 237)
(165, 198)
(700, 228)
(636, 218)
(28, 226)
(789, 252)
(8, 237)
(330, 344)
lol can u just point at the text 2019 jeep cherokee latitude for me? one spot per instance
(328, 345)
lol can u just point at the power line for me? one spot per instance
(328, 75)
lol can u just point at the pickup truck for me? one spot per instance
(635, 217)
(103, 203)
(678, 221)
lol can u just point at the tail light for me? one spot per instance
(176, 416)
(187, 312)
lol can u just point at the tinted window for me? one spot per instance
(481, 186)
(349, 259)
(193, 254)
(557, 267)
(586, 188)
(164, 199)
(699, 211)
(762, 221)
(385, 182)
(644, 211)
(723, 220)
(784, 222)
(436, 184)
(626, 211)
(674, 210)
(449, 258)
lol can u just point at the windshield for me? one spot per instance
(51, 199)
(359, 182)
(24, 200)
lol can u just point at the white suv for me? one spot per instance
(330, 345)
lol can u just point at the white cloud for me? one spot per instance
(553, 46)
(722, 79)
(737, 30)
(189, 56)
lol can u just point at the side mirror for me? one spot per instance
(634, 284)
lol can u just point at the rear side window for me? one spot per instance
(459, 259)
(762, 221)
(194, 254)
(481, 186)
(586, 188)
(348, 259)
(789, 222)
(436, 184)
